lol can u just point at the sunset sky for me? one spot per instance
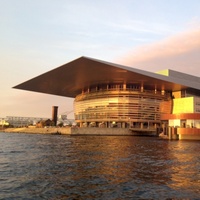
(39, 35)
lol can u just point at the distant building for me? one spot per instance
(44, 123)
(3, 122)
(62, 119)
(18, 121)
(111, 95)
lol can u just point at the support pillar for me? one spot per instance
(142, 88)
(124, 86)
(170, 133)
(81, 124)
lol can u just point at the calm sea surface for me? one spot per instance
(36, 166)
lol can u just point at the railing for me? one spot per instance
(119, 91)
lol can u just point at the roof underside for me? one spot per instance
(71, 78)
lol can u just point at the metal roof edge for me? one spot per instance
(175, 77)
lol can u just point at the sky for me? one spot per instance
(38, 36)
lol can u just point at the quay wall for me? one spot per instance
(188, 133)
(172, 133)
(100, 131)
(50, 130)
(72, 131)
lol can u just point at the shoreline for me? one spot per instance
(33, 130)
(173, 134)
(77, 131)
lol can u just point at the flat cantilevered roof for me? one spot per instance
(71, 78)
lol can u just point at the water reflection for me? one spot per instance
(100, 167)
(186, 169)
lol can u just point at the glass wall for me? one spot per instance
(119, 106)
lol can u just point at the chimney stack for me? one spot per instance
(54, 114)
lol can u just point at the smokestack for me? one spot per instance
(54, 114)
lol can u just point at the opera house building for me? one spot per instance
(111, 95)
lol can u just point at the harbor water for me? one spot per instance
(39, 166)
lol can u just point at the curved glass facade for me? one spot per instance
(120, 106)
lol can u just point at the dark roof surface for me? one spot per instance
(69, 79)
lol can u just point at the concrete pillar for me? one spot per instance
(175, 136)
(166, 131)
(81, 124)
(130, 124)
(142, 88)
(124, 86)
(54, 114)
(169, 133)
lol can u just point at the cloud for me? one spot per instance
(180, 52)
(140, 26)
